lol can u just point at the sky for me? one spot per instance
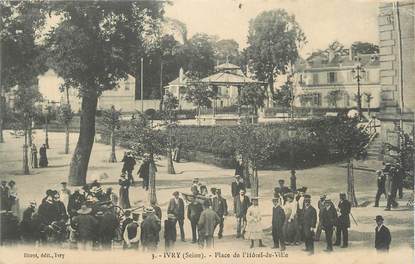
(323, 21)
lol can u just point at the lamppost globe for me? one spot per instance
(352, 113)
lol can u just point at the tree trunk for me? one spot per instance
(67, 139)
(170, 166)
(113, 158)
(29, 130)
(254, 182)
(80, 159)
(152, 181)
(351, 196)
(2, 108)
(271, 86)
(25, 154)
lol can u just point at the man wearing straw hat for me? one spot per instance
(150, 230)
(85, 225)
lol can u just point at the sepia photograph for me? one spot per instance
(207, 131)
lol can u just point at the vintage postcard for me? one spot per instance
(207, 131)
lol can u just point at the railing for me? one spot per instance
(370, 128)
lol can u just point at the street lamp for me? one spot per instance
(292, 131)
(46, 111)
(358, 72)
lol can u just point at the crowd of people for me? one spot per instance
(91, 217)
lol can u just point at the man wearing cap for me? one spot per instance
(382, 235)
(381, 180)
(207, 222)
(176, 207)
(220, 206)
(169, 232)
(343, 224)
(237, 185)
(150, 230)
(281, 189)
(328, 221)
(278, 219)
(85, 225)
(309, 225)
(320, 206)
(194, 210)
(27, 225)
(132, 234)
(240, 207)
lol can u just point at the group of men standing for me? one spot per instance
(390, 184)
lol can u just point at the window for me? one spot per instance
(315, 78)
(312, 99)
(127, 85)
(332, 77)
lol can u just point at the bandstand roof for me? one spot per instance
(227, 78)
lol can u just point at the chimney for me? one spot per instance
(181, 75)
(351, 53)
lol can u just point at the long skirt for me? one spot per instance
(43, 161)
(254, 231)
(124, 198)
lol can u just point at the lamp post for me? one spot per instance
(293, 178)
(46, 124)
(358, 72)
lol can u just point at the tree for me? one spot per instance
(227, 50)
(253, 95)
(350, 141)
(27, 96)
(200, 95)
(198, 55)
(253, 144)
(65, 116)
(359, 47)
(283, 97)
(89, 49)
(332, 98)
(143, 139)
(111, 121)
(170, 103)
(274, 39)
(20, 54)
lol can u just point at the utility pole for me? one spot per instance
(142, 87)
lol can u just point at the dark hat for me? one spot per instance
(289, 195)
(307, 196)
(3, 182)
(379, 218)
(136, 215)
(12, 182)
(255, 198)
(327, 201)
(175, 193)
(85, 187)
(342, 194)
(303, 189)
(195, 179)
(64, 182)
(281, 180)
(127, 213)
(84, 210)
(49, 192)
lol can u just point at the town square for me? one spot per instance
(153, 131)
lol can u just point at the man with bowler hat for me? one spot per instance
(382, 235)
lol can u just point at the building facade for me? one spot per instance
(328, 81)
(397, 68)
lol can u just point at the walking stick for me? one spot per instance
(354, 220)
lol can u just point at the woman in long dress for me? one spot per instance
(254, 226)
(43, 160)
(124, 191)
(14, 199)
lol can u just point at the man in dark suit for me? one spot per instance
(328, 221)
(343, 224)
(4, 196)
(400, 175)
(128, 166)
(237, 185)
(278, 219)
(220, 206)
(176, 207)
(393, 184)
(382, 235)
(240, 207)
(194, 209)
(381, 187)
(309, 225)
